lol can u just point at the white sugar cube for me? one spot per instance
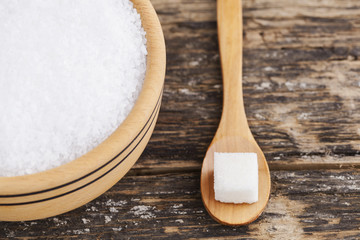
(236, 177)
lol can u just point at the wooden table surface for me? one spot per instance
(302, 99)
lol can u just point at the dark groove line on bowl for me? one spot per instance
(96, 170)
(94, 180)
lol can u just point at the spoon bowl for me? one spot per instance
(229, 213)
(233, 134)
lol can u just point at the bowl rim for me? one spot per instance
(144, 108)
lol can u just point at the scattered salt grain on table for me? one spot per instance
(70, 72)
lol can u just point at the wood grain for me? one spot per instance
(301, 94)
(301, 83)
(303, 205)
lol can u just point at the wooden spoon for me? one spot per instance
(233, 134)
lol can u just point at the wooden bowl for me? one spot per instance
(73, 184)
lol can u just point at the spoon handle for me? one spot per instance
(229, 18)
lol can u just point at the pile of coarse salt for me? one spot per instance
(70, 72)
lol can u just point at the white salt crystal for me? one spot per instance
(70, 72)
(236, 177)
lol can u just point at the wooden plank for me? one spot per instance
(303, 205)
(301, 82)
(301, 90)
